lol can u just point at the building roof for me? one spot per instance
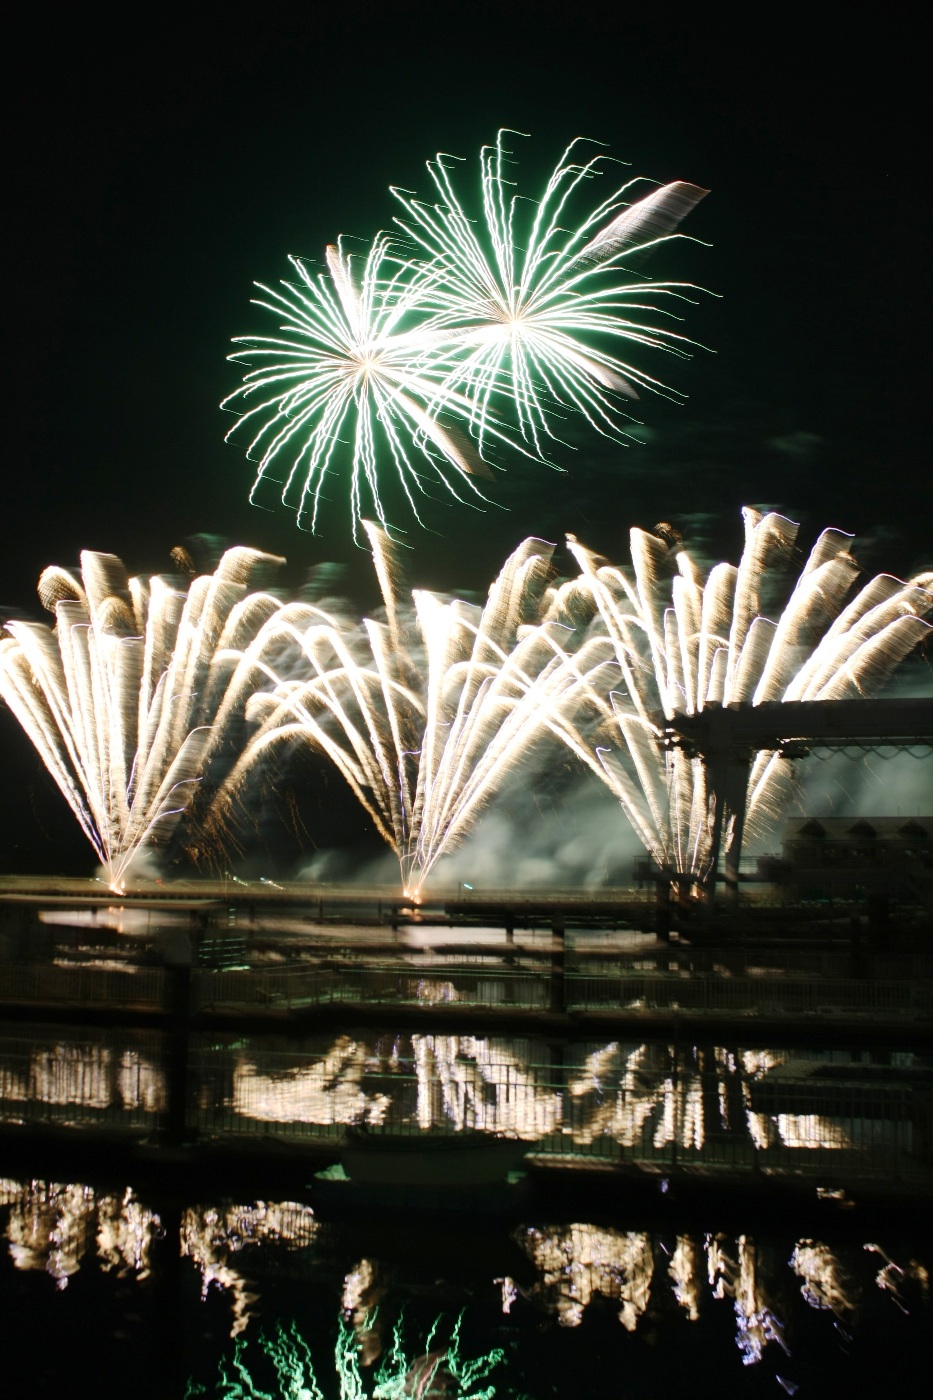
(859, 828)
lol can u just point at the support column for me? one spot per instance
(176, 953)
(557, 963)
(727, 781)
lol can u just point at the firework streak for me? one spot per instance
(460, 333)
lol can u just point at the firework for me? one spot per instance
(415, 357)
(425, 712)
(285, 1355)
(355, 359)
(534, 302)
(121, 700)
(682, 644)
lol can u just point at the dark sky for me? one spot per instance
(155, 167)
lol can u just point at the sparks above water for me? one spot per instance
(684, 645)
(426, 712)
(121, 700)
(427, 350)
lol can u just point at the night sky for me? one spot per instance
(156, 167)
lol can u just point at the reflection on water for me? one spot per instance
(81, 1077)
(737, 1275)
(650, 1103)
(443, 1371)
(827, 1284)
(212, 1236)
(576, 1262)
(52, 1227)
(363, 1325)
(363, 1290)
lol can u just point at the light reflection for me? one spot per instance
(282, 1357)
(827, 1284)
(683, 1272)
(893, 1279)
(211, 1235)
(757, 1324)
(52, 1225)
(811, 1130)
(647, 1103)
(326, 1093)
(576, 1262)
(652, 1101)
(87, 1076)
(363, 1290)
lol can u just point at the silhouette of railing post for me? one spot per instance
(558, 963)
(176, 954)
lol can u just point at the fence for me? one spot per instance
(646, 1105)
(674, 1116)
(83, 1079)
(749, 995)
(547, 986)
(42, 982)
(674, 993)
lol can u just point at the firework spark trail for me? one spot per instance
(685, 645)
(346, 362)
(400, 1376)
(425, 713)
(529, 302)
(121, 700)
(421, 350)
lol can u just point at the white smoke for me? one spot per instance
(578, 838)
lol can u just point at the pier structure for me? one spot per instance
(727, 737)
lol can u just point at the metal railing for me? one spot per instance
(749, 995)
(653, 1107)
(547, 986)
(291, 989)
(42, 982)
(781, 1125)
(98, 1079)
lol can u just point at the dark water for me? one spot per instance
(111, 1292)
(708, 1249)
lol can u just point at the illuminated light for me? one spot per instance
(684, 645)
(286, 1358)
(576, 1262)
(210, 1236)
(125, 1232)
(424, 714)
(757, 1324)
(363, 1290)
(827, 1284)
(683, 1272)
(811, 1130)
(121, 700)
(328, 1092)
(52, 1227)
(530, 299)
(346, 363)
(424, 349)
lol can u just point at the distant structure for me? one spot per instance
(728, 737)
(875, 860)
